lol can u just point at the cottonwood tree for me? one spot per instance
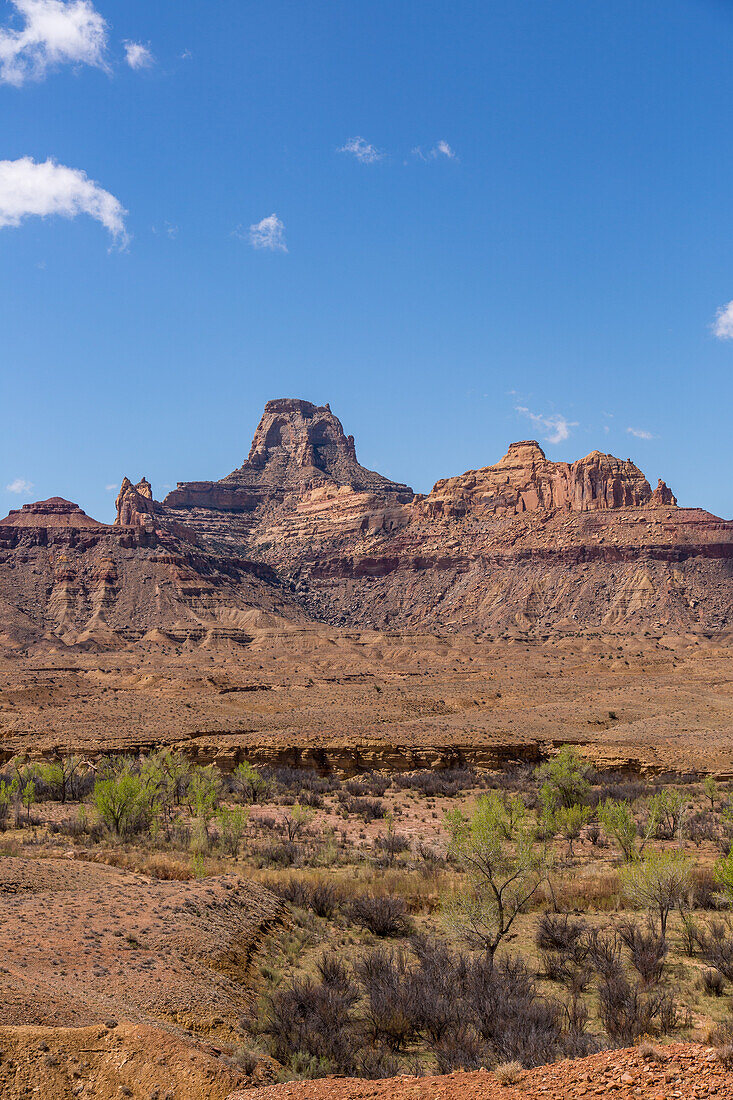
(565, 779)
(504, 867)
(620, 824)
(250, 782)
(661, 881)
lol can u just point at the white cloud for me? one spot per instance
(269, 233)
(109, 488)
(723, 324)
(443, 149)
(54, 33)
(20, 485)
(639, 433)
(440, 149)
(138, 56)
(556, 427)
(362, 150)
(30, 189)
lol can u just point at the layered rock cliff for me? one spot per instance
(525, 481)
(68, 579)
(302, 528)
(526, 543)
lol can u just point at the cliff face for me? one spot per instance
(525, 481)
(302, 529)
(297, 447)
(67, 579)
(526, 543)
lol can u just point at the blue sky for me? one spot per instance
(565, 252)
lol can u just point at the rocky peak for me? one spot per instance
(663, 496)
(297, 446)
(526, 454)
(297, 443)
(135, 504)
(524, 480)
(54, 512)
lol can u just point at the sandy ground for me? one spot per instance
(354, 700)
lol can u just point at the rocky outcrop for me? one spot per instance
(52, 513)
(135, 505)
(525, 481)
(297, 447)
(526, 543)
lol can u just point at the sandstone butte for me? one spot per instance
(302, 530)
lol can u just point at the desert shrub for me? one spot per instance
(429, 861)
(461, 1049)
(712, 982)
(391, 844)
(376, 1064)
(559, 932)
(701, 826)
(446, 783)
(301, 779)
(295, 891)
(314, 1019)
(627, 1011)
(312, 799)
(721, 1037)
(371, 809)
(279, 853)
(556, 966)
(716, 946)
(436, 979)
(370, 783)
(703, 892)
(604, 952)
(502, 1003)
(647, 950)
(619, 788)
(384, 915)
(390, 1013)
(508, 1073)
(322, 898)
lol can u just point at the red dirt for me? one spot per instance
(682, 1071)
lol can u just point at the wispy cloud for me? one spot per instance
(362, 150)
(138, 56)
(53, 33)
(109, 488)
(440, 149)
(20, 485)
(269, 233)
(443, 149)
(639, 433)
(723, 323)
(556, 427)
(43, 189)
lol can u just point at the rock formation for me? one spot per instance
(525, 481)
(297, 447)
(526, 543)
(302, 528)
(54, 513)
